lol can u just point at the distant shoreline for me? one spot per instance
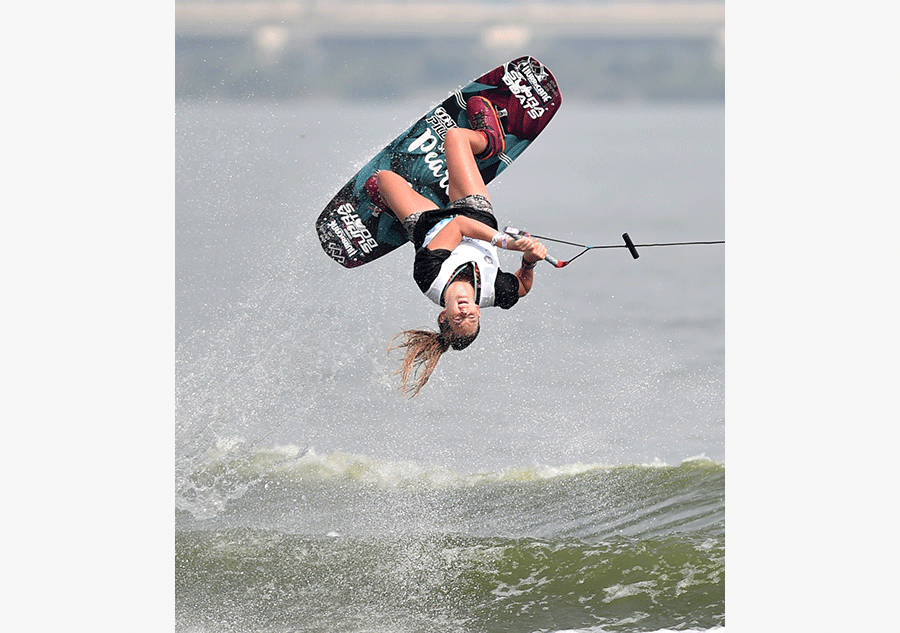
(624, 71)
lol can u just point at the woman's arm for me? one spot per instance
(452, 234)
(533, 252)
(526, 278)
(461, 226)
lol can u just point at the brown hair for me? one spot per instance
(423, 351)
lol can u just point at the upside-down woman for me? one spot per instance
(456, 263)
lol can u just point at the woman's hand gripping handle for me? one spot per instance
(517, 234)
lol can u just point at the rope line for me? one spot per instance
(550, 239)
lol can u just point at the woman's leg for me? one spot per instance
(460, 146)
(400, 197)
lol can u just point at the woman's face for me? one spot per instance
(461, 311)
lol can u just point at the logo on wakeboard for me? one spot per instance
(351, 231)
(525, 85)
(431, 144)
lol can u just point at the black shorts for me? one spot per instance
(476, 207)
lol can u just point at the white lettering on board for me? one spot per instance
(522, 91)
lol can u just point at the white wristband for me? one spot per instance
(503, 238)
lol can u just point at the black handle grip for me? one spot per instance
(630, 245)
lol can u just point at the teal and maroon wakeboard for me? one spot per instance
(353, 230)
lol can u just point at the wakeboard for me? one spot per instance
(354, 231)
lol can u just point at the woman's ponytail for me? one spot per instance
(423, 351)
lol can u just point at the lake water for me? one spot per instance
(565, 472)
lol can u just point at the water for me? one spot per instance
(565, 472)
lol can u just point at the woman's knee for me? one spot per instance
(455, 134)
(384, 177)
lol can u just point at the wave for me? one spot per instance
(446, 583)
(298, 490)
(234, 455)
(293, 540)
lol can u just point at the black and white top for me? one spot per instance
(434, 271)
